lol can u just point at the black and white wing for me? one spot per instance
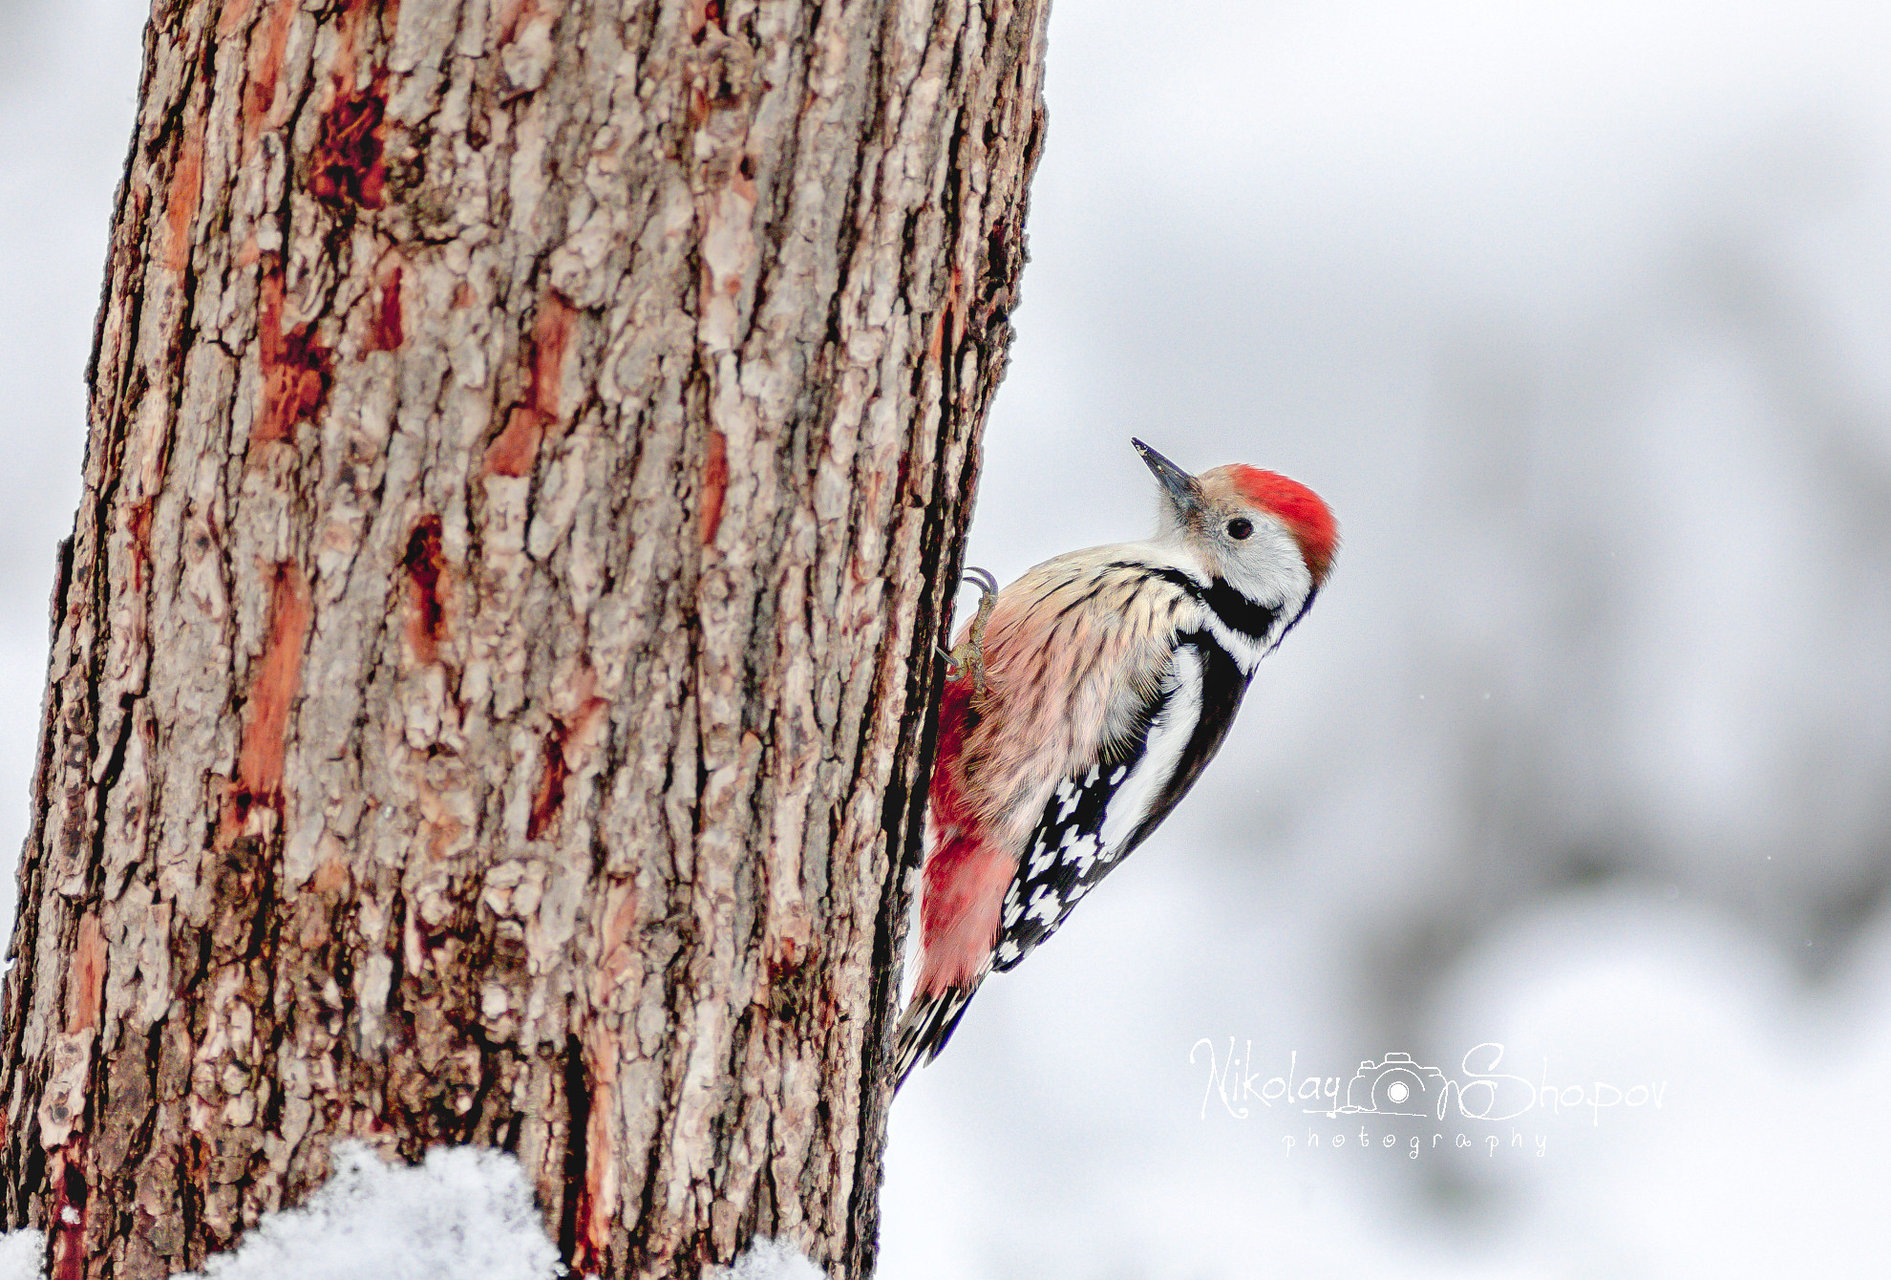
(1097, 816)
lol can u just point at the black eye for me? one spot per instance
(1239, 529)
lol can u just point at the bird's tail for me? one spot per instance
(926, 1026)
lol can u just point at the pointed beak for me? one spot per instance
(1177, 483)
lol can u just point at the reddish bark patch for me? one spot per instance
(297, 368)
(552, 775)
(513, 452)
(951, 316)
(273, 688)
(591, 1080)
(551, 335)
(85, 977)
(614, 941)
(386, 333)
(425, 562)
(347, 167)
(715, 485)
(138, 525)
(230, 17)
(511, 15)
(67, 1228)
(589, 1253)
(555, 767)
(180, 208)
(515, 449)
(703, 14)
(265, 68)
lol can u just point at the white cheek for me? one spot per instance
(1269, 568)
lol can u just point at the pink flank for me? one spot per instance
(966, 875)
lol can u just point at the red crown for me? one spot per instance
(1299, 508)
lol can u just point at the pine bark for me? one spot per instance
(529, 448)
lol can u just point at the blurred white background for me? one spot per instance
(1579, 315)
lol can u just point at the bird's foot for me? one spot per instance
(970, 653)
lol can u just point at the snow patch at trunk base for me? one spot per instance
(465, 1213)
(769, 1259)
(22, 1255)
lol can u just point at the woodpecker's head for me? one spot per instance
(1268, 537)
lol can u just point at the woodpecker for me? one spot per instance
(1084, 701)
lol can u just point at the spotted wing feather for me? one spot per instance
(1097, 815)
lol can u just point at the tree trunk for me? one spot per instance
(530, 444)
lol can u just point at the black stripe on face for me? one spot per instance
(1237, 613)
(1240, 614)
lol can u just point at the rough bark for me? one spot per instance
(530, 443)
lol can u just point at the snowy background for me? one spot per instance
(1579, 315)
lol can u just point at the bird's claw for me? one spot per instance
(970, 653)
